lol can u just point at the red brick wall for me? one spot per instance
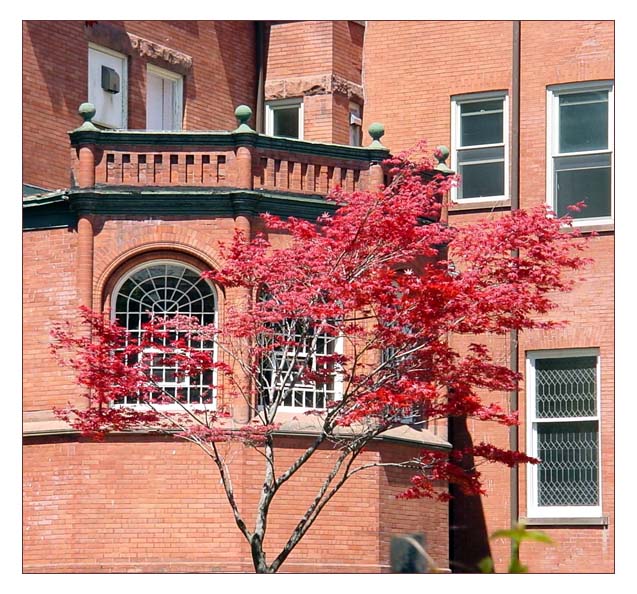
(311, 42)
(119, 506)
(55, 63)
(412, 100)
(411, 68)
(309, 50)
(49, 296)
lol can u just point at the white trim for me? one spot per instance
(178, 99)
(533, 510)
(272, 106)
(553, 93)
(456, 102)
(113, 302)
(123, 82)
(337, 389)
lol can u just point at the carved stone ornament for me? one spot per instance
(119, 40)
(324, 84)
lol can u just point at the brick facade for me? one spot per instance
(154, 517)
(476, 56)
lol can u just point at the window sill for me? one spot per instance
(585, 229)
(481, 205)
(598, 521)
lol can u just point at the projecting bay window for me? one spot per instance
(580, 150)
(479, 131)
(284, 118)
(563, 432)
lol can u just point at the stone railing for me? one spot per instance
(241, 158)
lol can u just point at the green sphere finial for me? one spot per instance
(243, 113)
(442, 154)
(376, 131)
(87, 111)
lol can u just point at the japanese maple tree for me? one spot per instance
(365, 299)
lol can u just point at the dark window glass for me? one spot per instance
(583, 122)
(583, 178)
(481, 122)
(286, 122)
(481, 180)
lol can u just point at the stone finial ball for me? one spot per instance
(441, 153)
(87, 111)
(376, 130)
(243, 113)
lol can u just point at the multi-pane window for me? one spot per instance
(284, 118)
(296, 365)
(479, 140)
(563, 390)
(163, 289)
(580, 149)
(164, 98)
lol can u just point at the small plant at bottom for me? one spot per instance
(517, 535)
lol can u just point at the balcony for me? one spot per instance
(239, 159)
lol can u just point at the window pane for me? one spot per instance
(481, 122)
(286, 122)
(566, 387)
(481, 173)
(587, 179)
(583, 122)
(167, 289)
(568, 471)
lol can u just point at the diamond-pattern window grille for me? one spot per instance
(566, 387)
(567, 431)
(568, 473)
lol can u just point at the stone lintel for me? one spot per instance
(321, 84)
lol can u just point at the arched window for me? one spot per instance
(167, 288)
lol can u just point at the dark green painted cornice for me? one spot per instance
(221, 140)
(181, 201)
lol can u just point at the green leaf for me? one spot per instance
(486, 565)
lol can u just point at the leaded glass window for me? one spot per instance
(581, 149)
(164, 289)
(479, 129)
(564, 411)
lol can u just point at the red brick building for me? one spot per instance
(526, 105)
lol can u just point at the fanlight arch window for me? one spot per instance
(166, 288)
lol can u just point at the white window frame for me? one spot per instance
(272, 106)
(338, 385)
(553, 94)
(571, 511)
(456, 102)
(355, 122)
(178, 101)
(123, 83)
(172, 407)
